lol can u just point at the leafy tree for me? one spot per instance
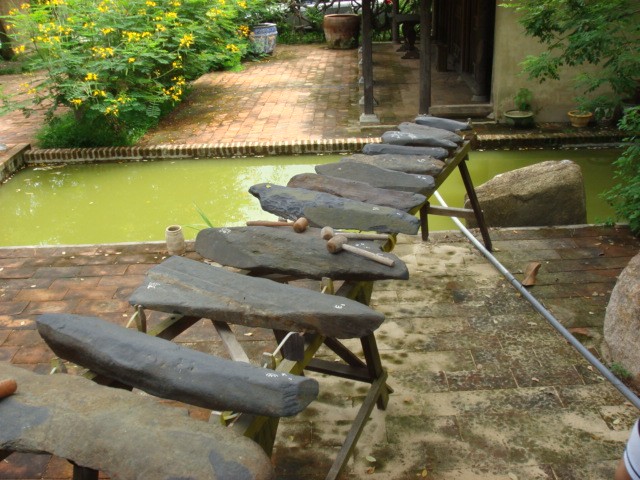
(605, 34)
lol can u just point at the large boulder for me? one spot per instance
(544, 194)
(622, 320)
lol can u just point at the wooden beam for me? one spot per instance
(367, 57)
(425, 57)
(466, 213)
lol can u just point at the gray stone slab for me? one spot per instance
(439, 133)
(443, 123)
(411, 139)
(357, 190)
(379, 177)
(323, 209)
(168, 370)
(183, 286)
(268, 250)
(119, 433)
(385, 148)
(417, 164)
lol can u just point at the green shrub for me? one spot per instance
(115, 62)
(625, 196)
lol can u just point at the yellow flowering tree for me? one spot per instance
(119, 64)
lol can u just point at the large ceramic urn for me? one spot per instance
(341, 30)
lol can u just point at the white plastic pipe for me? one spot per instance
(606, 373)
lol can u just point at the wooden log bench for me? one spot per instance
(120, 433)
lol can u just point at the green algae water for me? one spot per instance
(134, 202)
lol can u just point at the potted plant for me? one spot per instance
(580, 116)
(522, 116)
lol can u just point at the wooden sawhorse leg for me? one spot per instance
(473, 199)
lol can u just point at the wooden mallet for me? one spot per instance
(327, 233)
(299, 226)
(339, 242)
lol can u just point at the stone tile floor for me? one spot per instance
(484, 387)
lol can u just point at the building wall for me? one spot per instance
(551, 99)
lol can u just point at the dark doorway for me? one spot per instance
(463, 32)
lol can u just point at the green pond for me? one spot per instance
(133, 202)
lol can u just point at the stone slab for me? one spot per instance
(385, 148)
(443, 123)
(416, 164)
(432, 132)
(323, 209)
(357, 190)
(168, 370)
(415, 139)
(269, 250)
(188, 287)
(379, 177)
(120, 433)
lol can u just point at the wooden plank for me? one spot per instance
(230, 342)
(168, 370)
(451, 212)
(357, 426)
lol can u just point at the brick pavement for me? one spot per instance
(484, 388)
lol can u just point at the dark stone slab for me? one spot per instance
(120, 433)
(267, 250)
(323, 209)
(438, 133)
(385, 148)
(379, 177)
(417, 164)
(416, 140)
(168, 370)
(443, 123)
(187, 287)
(357, 190)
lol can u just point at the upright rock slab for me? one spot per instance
(122, 434)
(545, 194)
(385, 148)
(379, 177)
(622, 320)
(416, 164)
(357, 190)
(323, 209)
(269, 250)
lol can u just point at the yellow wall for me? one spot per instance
(551, 99)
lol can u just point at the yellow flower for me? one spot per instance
(31, 91)
(232, 48)
(150, 3)
(90, 76)
(25, 6)
(107, 31)
(175, 3)
(243, 30)
(171, 15)
(187, 40)
(99, 93)
(242, 5)
(131, 59)
(160, 27)
(111, 110)
(76, 101)
(20, 49)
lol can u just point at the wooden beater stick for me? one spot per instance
(299, 226)
(339, 243)
(327, 233)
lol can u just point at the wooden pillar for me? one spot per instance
(395, 26)
(368, 116)
(425, 57)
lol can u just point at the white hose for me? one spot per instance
(622, 388)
